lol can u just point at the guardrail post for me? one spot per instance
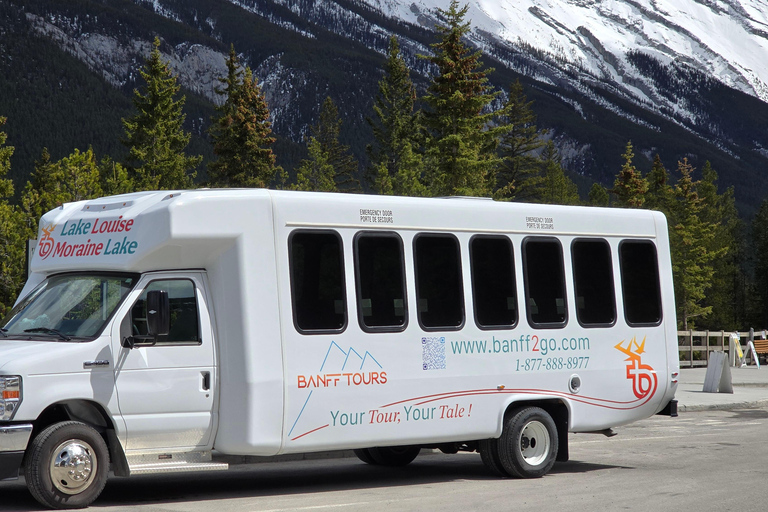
(690, 344)
(706, 345)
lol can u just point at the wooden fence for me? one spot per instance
(694, 347)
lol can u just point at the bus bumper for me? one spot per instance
(670, 409)
(13, 442)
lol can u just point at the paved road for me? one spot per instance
(701, 461)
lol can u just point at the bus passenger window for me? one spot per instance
(439, 291)
(593, 283)
(317, 281)
(640, 282)
(493, 281)
(380, 274)
(544, 282)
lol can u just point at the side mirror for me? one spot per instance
(158, 313)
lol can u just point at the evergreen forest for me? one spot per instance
(457, 136)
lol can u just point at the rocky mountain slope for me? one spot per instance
(681, 79)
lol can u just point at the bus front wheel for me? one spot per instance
(66, 466)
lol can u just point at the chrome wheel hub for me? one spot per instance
(73, 466)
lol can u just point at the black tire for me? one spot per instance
(66, 465)
(528, 444)
(489, 454)
(364, 455)
(394, 456)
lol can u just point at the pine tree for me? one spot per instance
(691, 240)
(42, 193)
(78, 176)
(556, 187)
(520, 169)
(719, 210)
(6, 152)
(12, 239)
(73, 178)
(396, 164)
(114, 178)
(407, 179)
(461, 144)
(630, 186)
(659, 196)
(316, 173)
(155, 137)
(598, 195)
(242, 134)
(759, 303)
(331, 151)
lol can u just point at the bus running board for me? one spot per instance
(145, 464)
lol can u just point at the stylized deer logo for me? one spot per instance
(46, 244)
(643, 376)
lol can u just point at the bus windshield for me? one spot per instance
(68, 306)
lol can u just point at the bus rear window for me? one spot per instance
(640, 282)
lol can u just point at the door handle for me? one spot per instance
(206, 381)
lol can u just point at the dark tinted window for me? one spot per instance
(317, 281)
(184, 323)
(380, 281)
(493, 281)
(544, 282)
(438, 281)
(640, 282)
(593, 282)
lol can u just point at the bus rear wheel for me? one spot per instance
(391, 456)
(528, 444)
(489, 454)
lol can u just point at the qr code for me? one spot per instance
(433, 352)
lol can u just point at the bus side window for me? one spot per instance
(593, 282)
(493, 282)
(439, 292)
(640, 282)
(544, 282)
(380, 273)
(317, 281)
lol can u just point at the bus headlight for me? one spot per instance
(10, 396)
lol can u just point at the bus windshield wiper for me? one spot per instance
(47, 330)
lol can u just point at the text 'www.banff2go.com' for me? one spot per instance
(532, 344)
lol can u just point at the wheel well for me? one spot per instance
(559, 412)
(86, 412)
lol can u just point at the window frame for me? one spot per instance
(659, 298)
(143, 293)
(544, 325)
(358, 288)
(342, 269)
(460, 278)
(510, 246)
(611, 280)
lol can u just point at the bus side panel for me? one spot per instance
(244, 288)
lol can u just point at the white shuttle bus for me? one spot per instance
(165, 331)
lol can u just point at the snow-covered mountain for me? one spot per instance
(680, 78)
(665, 57)
(725, 39)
